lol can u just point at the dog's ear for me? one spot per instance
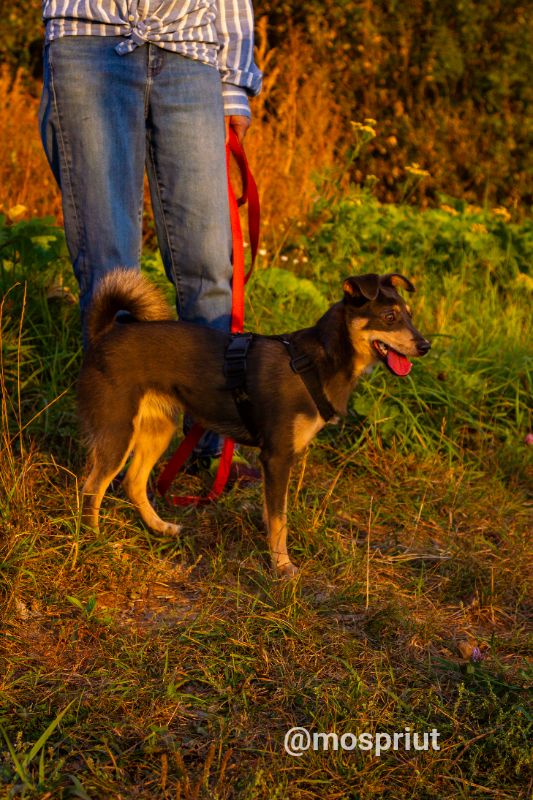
(396, 280)
(361, 288)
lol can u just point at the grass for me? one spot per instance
(139, 666)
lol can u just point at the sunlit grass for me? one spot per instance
(135, 665)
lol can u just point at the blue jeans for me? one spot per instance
(103, 117)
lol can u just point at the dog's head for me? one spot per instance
(379, 321)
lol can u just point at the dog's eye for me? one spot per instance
(390, 316)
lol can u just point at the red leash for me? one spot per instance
(249, 195)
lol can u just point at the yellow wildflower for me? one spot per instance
(448, 209)
(360, 127)
(478, 228)
(415, 169)
(502, 212)
(16, 212)
(365, 128)
(525, 280)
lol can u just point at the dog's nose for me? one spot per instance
(423, 347)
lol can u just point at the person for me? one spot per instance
(129, 83)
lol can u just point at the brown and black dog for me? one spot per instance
(136, 378)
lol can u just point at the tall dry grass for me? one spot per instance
(25, 178)
(297, 126)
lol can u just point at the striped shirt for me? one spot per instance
(216, 32)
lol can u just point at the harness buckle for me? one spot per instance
(301, 363)
(234, 353)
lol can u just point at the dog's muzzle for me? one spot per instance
(423, 347)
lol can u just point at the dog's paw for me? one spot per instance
(170, 529)
(286, 571)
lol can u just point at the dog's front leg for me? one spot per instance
(277, 469)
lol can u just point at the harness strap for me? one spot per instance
(304, 366)
(235, 359)
(235, 371)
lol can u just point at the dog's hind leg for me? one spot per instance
(154, 435)
(277, 472)
(109, 455)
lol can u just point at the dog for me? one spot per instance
(137, 377)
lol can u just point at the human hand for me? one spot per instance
(239, 124)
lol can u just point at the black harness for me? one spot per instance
(235, 372)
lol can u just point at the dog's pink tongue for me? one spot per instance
(399, 364)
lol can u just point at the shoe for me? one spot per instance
(241, 471)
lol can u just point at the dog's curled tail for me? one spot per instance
(125, 290)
